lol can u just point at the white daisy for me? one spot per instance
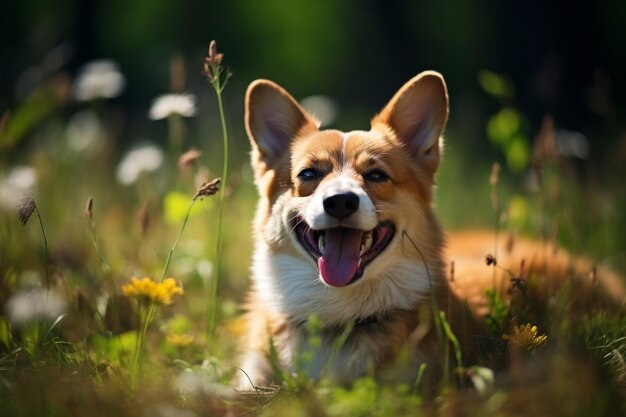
(323, 108)
(84, 132)
(20, 180)
(27, 306)
(146, 158)
(165, 105)
(99, 79)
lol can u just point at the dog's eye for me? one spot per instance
(309, 174)
(376, 175)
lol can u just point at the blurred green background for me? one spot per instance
(508, 65)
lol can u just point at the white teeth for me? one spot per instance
(321, 243)
(366, 244)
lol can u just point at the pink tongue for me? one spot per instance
(340, 260)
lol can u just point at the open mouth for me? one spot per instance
(343, 253)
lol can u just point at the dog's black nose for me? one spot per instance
(341, 206)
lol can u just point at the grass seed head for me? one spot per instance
(212, 62)
(209, 188)
(26, 208)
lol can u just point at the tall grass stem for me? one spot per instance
(212, 319)
(175, 244)
(94, 240)
(45, 249)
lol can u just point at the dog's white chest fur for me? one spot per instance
(290, 285)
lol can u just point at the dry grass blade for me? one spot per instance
(89, 208)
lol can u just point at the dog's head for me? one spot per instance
(343, 201)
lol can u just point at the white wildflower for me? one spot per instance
(99, 79)
(20, 180)
(190, 383)
(165, 105)
(205, 269)
(482, 378)
(84, 132)
(323, 108)
(146, 158)
(27, 306)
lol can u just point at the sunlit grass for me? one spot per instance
(97, 344)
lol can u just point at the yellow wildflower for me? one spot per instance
(180, 340)
(148, 290)
(525, 337)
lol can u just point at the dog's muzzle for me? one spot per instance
(342, 253)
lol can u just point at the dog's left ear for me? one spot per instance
(417, 114)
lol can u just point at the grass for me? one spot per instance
(94, 354)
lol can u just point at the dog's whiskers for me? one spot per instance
(296, 224)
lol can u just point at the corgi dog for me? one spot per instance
(345, 231)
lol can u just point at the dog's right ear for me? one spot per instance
(273, 120)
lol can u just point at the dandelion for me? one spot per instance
(150, 295)
(180, 340)
(146, 290)
(99, 79)
(525, 337)
(28, 306)
(169, 104)
(146, 158)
